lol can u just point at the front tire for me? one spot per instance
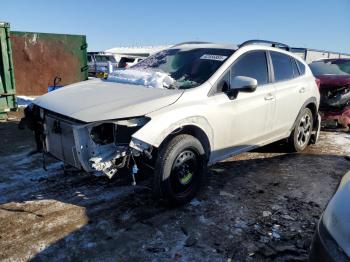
(180, 168)
(301, 134)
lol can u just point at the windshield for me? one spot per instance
(105, 58)
(187, 67)
(331, 67)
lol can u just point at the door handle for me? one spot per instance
(269, 97)
(302, 90)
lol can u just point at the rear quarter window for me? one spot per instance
(301, 67)
(295, 68)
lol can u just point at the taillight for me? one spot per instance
(318, 83)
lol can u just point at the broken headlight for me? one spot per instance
(126, 128)
(118, 132)
(103, 134)
(133, 122)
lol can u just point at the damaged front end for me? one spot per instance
(335, 106)
(334, 78)
(103, 147)
(108, 146)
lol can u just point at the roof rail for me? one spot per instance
(192, 43)
(272, 43)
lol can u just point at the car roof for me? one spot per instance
(192, 45)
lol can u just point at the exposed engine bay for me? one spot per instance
(103, 147)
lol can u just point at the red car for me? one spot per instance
(334, 77)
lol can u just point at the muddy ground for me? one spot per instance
(258, 206)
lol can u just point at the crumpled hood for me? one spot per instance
(97, 100)
(334, 80)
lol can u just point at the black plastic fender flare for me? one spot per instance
(311, 100)
(317, 119)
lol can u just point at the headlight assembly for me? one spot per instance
(118, 131)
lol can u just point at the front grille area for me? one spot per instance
(60, 140)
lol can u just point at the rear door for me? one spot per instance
(289, 87)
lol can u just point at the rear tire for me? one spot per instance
(180, 167)
(301, 134)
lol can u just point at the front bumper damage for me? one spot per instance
(335, 106)
(107, 146)
(109, 159)
(335, 119)
(103, 147)
(119, 151)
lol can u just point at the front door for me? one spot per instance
(247, 119)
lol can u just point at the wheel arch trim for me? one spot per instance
(312, 101)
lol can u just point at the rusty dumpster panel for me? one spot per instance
(39, 57)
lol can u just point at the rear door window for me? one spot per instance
(252, 64)
(282, 66)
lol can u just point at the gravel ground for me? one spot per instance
(262, 205)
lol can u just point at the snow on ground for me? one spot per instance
(52, 215)
(23, 101)
(141, 77)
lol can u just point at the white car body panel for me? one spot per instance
(98, 100)
(234, 126)
(231, 125)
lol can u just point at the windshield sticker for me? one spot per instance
(213, 57)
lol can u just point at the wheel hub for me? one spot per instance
(184, 169)
(304, 130)
(185, 175)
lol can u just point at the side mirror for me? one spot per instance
(243, 84)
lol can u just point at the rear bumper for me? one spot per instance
(334, 118)
(324, 248)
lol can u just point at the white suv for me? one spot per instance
(181, 110)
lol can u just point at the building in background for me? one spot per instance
(310, 55)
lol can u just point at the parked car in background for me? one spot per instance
(334, 76)
(332, 238)
(128, 61)
(100, 62)
(181, 110)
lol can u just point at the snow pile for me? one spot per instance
(141, 77)
(23, 101)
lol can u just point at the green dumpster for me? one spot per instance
(7, 81)
(33, 60)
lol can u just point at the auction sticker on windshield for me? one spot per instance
(213, 57)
